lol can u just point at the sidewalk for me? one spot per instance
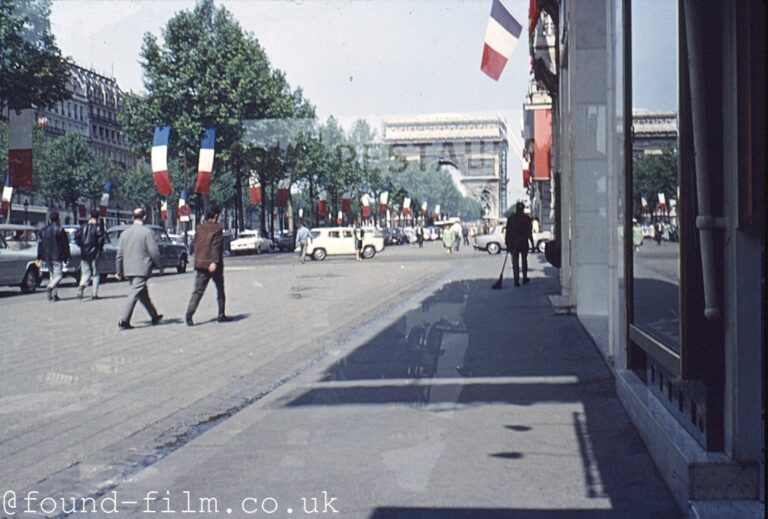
(389, 427)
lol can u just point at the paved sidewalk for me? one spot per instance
(465, 402)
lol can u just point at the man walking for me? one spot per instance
(303, 237)
(457, 235)
(518, 234)
(53, 248)
(209, 263)
(90, 238)
(137, 252)
(420, 236)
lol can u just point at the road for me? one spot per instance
(338, 376)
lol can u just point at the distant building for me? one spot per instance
(653, 132)
(92, 113)
(475, 145)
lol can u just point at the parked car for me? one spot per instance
(493, 242)
(18, 250)
(392, 235)
(250, 241)
(333, 241)
(172, 255)
(410, 234)
(285, 241)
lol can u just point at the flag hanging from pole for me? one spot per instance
(283, 192)
(7, 196)
(365, 209)
(20, 128)
(184, 210)
(406, 207)
(164, 210)
(205, 165)
(501, 36)
(424, 208)
(321, 204)
(437, 212)
(160, 160)
(339, 218)
(254, 192)
(104, 203)
(346, 202)
(383, 200)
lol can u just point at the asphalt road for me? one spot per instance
(337, 377)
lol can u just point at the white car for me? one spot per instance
(494, 243)
(250, 242)
(333, 241)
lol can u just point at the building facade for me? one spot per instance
(476, 146)
(679, 322)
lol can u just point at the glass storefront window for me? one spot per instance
(655, 179)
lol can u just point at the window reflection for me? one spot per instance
(655, 226)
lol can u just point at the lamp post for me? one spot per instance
(26, 208)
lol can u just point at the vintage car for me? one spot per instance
(333, 241)
(493, 242)
(18, 250)
(250, 241)
(172, 255)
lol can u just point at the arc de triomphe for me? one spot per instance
(476, 145)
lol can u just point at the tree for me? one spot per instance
(69, 171)
(653, 174)
(32, 71)
(207, 72)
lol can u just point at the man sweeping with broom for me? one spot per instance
(519, 234)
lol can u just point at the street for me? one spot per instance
(400, 385)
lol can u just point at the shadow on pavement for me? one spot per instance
(468, 345)
(485, 513)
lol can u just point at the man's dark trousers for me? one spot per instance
(201, 282)
(517, 253)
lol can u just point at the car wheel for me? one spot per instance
(318, 254)
(369, 252)
(541, 245)
(30, 282)
(494, 248)
(182, 268)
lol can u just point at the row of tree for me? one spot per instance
(205, 70)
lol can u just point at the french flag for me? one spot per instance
(104, 203)
(20, 128)
(7, 196)
(501, 36)
(164, 210)
(205, 166)
(160, 160)
(184, 210)
(406, 207)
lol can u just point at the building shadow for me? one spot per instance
(468, 345)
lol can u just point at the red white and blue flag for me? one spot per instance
(406, 207)
(160, 160)
(184, 210)
(164, 210)
(20, 128)
(501, 36)
(205, 166)
(7, 196)
(104, 203)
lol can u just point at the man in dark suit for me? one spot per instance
(137, 253)
(519, 233)
(53, 248)
(209, 263)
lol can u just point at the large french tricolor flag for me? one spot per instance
(501, 36)
(20, 128)
(160, 160)
(205, 166)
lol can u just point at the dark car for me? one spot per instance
(285, 242)
(172, 255)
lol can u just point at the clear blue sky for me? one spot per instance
(352, 58)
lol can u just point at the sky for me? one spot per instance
(353, 59)
(362, 59)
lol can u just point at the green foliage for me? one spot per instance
(32, 70)
(134, 187)
(68, 170)
(653, 174)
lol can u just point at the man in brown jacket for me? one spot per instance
(209, 263)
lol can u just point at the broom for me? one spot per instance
(497, 285)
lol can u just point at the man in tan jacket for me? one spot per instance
(209, 263)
